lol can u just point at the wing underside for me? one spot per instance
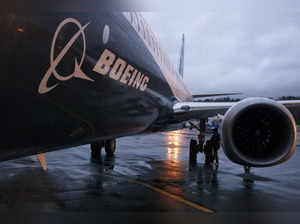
(184, 111)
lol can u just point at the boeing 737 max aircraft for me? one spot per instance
(70, 79)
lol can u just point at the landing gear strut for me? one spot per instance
(96, 148)
(247, 177)
(247, 169)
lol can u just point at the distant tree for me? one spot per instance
(222, 99)
(288, 98)
(228, 99)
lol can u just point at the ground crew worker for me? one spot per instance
(215, 141)
(208, 152)
(201, 139)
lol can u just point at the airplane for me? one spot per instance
(70, 79)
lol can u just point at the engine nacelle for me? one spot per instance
(258, 132)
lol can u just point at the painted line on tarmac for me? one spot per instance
(163, 192)
(175, 197)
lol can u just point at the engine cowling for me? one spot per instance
(258, 132)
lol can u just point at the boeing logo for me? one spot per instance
(78, 73)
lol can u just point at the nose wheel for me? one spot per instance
(96, 148)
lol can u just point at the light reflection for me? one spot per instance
(174, 142)
(171, 171)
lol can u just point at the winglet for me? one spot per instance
(42, 160)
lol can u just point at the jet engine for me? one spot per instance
(258, 132)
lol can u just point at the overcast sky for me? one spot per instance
(249, 46)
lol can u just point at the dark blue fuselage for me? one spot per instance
(79, 104)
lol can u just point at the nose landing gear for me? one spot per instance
(96, 148)
(247, 169)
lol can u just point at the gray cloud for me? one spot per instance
(245, 46)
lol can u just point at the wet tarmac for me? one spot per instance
(149, 173)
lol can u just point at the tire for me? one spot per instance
(110, 147)
(96, 151)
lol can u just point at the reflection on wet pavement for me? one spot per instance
(174, 143)
(148, 173)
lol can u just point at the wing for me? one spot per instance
(184, 111)
(294, 108)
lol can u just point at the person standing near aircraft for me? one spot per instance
(211, 149)
(208, 152)
(215, 142)
(201, 136)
